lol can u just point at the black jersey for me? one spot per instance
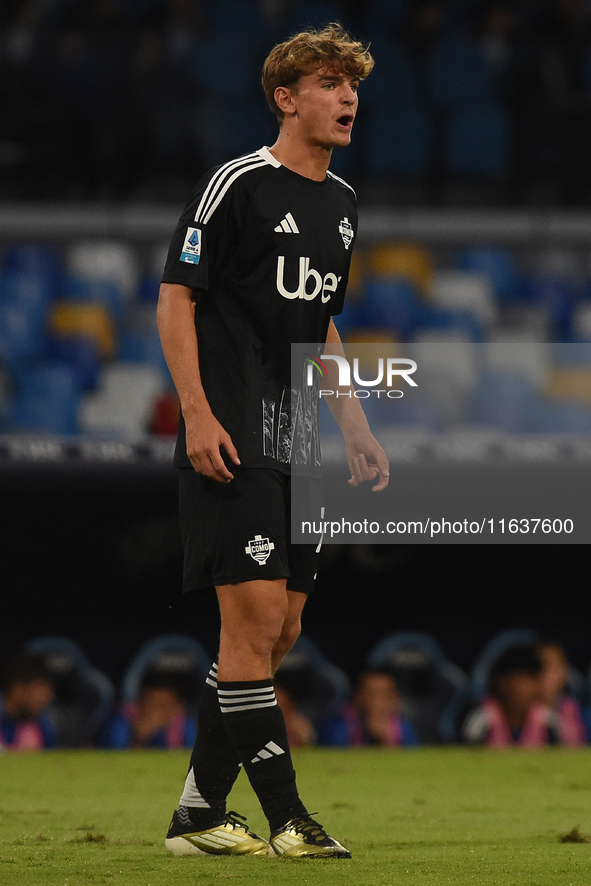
(266, 252)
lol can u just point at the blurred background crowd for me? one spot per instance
(522, 691)
(478, 100)
(80, 353)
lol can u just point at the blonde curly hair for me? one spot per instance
(331, 48)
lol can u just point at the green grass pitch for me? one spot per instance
(418, 818)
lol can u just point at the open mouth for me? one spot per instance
(346, 120)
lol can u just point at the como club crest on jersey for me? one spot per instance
(259, 549)
(346, 232)
(191, 251)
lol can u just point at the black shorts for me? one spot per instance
(240, 531)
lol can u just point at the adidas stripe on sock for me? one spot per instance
(256, 726)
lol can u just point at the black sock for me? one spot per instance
(214, 762)
(256, 726)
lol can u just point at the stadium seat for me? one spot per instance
(499, 644)
(498, 265)
(174, 656)
(43, 261)
(564, 416)
(101, 292)
(104, 260)
(506, 402)
(143, 346)
(318, 687)
(558, 296)
(28, 289)
(74, 319)
(21, 335)
(46, 400)
(83, 694)
(149, 287)
(78, 353)
(569, 383)
(399, 140)
(477, 142)
(427, 681)
(465, 291)
(572, 354)
(448, 368)
(124, 400)
(407, 260)
(391, 304)
(529, 360)
(462, 325)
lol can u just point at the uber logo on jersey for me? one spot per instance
(191, 251)
(326, 285)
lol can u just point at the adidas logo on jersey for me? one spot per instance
(268, 751)
(287, 225)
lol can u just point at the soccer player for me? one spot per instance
(259, 259)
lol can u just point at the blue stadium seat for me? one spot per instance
(498, 265)
(458, 75)
(391, 304)
(318, 687)
(399, 141)
(564, 416)
(507, 402)
(427, 681)
(464, 323)
(43, 261)
(478, 141)
(148, 289)
(174, 655)
(21, 335)
(143, 346)
(558, 295)
(47, 400)
(83, 694)
(79, 354)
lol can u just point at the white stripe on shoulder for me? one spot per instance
(342, 181)
(218, 177)
(266, 154)
(211, 207)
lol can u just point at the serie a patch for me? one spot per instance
(191, 251)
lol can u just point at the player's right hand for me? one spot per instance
(205, 436)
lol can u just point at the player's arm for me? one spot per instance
(205, 435)
(365, 457)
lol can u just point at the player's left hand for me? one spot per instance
(367, 460)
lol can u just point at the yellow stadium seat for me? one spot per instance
(408, 260)
(570, 384)
(70, 319)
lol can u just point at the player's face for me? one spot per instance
(325, 105)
